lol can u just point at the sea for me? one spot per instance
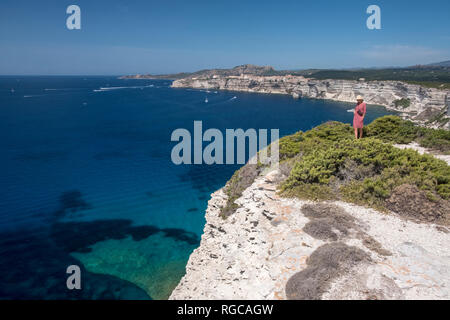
(87, 179)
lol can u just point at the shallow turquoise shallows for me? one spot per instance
(87, 179)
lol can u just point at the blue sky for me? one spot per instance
(127, 37)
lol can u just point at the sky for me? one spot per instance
(146, 36)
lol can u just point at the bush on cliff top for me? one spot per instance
(289, 146)
(396, 130)
(335, 166)
(392, 129)
(435, 139)
(328, 163)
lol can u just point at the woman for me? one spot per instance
(358, 118)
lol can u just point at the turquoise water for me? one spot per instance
(87, 179)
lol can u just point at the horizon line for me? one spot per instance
(223, 68)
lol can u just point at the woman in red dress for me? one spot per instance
(358, 118)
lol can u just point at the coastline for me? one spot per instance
(427, 106)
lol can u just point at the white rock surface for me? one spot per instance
(253, 253)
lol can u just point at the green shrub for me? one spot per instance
(300, 142)
(392, 129)
(324, 161)
(437, 139)
(331, 131)
(403, 103)
(289, 146)
(318, 173)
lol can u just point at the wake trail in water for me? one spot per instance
(58, 89)
(223, 101)
(34, 95)
(103, 89)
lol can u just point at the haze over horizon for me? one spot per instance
(154, 37)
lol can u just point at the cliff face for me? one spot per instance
(280, 248)
(428, 106)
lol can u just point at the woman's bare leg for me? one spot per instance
(361, 132)
(356, 133)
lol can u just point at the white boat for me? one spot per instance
(206, 100)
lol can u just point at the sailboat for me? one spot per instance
(206, 100)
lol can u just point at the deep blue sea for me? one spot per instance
(87, 179)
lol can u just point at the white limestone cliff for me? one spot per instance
(263, 250)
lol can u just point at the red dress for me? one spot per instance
(358, 121)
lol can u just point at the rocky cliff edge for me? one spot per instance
(281, 248)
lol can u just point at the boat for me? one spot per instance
(206, 100)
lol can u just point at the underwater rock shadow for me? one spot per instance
(80, 236)
(71, 202)
(33, 268)
(34, 261)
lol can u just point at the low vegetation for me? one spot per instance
(402, 103)
(395, 130)
(369, 171)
